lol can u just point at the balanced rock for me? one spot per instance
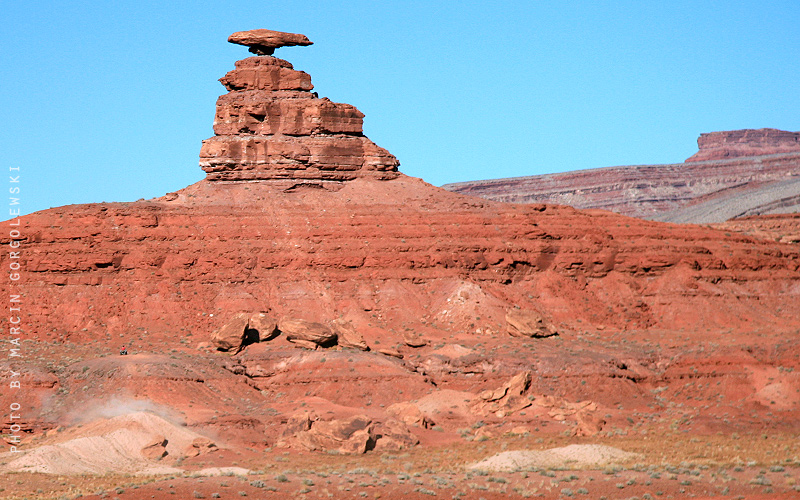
(307, 333)
(528, 323)
(264, 42)
(271, 127)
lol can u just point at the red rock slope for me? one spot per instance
(737, 173)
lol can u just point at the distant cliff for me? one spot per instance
(737, 173)
(737, 143)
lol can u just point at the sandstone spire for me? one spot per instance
(271, 126)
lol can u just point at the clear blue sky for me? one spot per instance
(108, 101)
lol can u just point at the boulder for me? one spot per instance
(410, 414)
(199, 446)
(155, 449)
(232, 334)
(390, 351)
(589, 423)
(414, 340)
(299, 422)
(244, 329)
(307, 333)
(507, 399)
(263, 326)
(353, 435)
(528, 323)
(393, 435)
(348, 336)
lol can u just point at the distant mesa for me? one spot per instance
(264, 42)
(747, 142)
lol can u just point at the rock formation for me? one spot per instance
(350, 435)
(736, 143)
(264, 42)
(528, 323)
(722, 181)
(507, 399)
(307, 333)
(244, 329)
(303, 217)
(271, 126)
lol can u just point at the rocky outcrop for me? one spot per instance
(410, 414)
(748, 142)
(271, 126)
(707, 191)
(352, 435)
(355, 434)
(528, 323)
(394, 258)
(507, 399)
(199, 446)
(307, 333)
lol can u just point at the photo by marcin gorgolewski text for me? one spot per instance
(12, 432)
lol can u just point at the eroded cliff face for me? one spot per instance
(722, 181)
(382, 253)
(747, 142)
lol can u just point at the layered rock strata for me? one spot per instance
(747, 142)
(379, 253)
(271, 126)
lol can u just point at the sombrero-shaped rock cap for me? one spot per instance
(264, 42)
